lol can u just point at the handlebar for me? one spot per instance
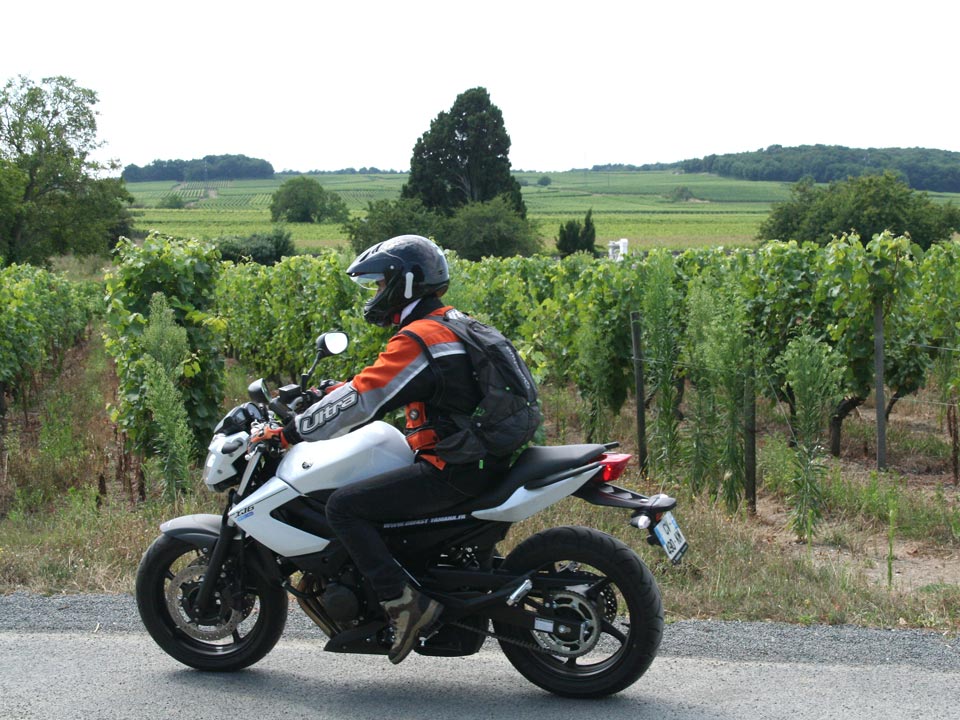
(281, 410)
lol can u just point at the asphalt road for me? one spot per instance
(87, 657)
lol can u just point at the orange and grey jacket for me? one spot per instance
(430, 388)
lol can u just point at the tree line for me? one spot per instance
(209, 167)
(921, 168)
(372, 170)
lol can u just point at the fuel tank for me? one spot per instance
(328, 464)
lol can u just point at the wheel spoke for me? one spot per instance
(598, 587)
(609, 628)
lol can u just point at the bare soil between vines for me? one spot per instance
(865, 551)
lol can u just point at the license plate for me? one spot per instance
(671, 538)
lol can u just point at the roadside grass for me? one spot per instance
(77, 544)
(736, 569)
(64, 529)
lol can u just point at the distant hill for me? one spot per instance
(921, 168)
(210, 167)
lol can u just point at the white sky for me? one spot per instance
(328, 85)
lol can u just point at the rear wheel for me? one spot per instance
(240, 626)
(609, 592)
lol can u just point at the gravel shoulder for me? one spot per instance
(730, 641)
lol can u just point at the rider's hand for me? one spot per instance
(270, 433)
(313, 395)
(325, 386)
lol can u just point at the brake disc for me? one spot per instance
(608, 598)
(180, 594)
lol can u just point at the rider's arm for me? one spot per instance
(400, 375)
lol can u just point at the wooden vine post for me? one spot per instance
(641, 390)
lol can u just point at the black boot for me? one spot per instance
(410, 614)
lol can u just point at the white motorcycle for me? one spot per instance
(574, 610)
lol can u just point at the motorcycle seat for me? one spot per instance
(538, 462)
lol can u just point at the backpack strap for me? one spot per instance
(432, 362)
(452, 320)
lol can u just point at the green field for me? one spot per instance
(633, 205)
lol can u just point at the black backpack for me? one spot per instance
(508, 414)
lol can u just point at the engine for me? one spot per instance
(341, 603)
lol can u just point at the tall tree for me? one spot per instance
(47, 133)
(568, 240)
(463, 158)
(588, 238)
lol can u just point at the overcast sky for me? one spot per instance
(354, 83)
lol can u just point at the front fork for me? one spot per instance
(218, 556)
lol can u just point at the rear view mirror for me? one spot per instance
(329, 343)
(332, 343)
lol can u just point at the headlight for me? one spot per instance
(211, 459)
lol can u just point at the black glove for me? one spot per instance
(325, 385)
(290, 432)
(312, 395)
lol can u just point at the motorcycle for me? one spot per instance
(574, 610)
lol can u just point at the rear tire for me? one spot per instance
(610, 591)
(227, 638)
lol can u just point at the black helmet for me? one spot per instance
(409, 267)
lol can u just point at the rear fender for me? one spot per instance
(609, 495)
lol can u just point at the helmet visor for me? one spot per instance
(370, 281)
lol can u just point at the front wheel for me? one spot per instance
(607, 590)
(241, 624)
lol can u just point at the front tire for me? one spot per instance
(237, 631)
(611, 593)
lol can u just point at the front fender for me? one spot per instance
(201, 530)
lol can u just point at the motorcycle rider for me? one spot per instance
(409, 274)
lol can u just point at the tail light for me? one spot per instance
(613, 466)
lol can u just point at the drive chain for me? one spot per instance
(532, 646)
